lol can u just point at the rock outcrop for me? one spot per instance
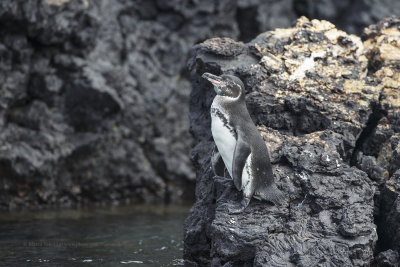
(94, 92)
(92, 104)
(327, 104)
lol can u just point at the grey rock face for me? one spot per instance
(313, 94)
(92, 102)
(388, 258)
(350, 16)
(94, 93)
(389, 216)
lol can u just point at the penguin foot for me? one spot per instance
(241, 207)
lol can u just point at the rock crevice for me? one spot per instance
(319, 107)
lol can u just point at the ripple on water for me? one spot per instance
(127, 262)
(148, 234)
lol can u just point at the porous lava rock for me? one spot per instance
(317, 95)
(93, 99)
(94, 92)
(94, 96)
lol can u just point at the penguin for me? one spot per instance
(239, 143)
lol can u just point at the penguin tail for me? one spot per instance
(271, 193)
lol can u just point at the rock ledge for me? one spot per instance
(322, 99)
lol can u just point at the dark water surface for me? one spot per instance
(116, 236)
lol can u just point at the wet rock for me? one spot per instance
(315, 98)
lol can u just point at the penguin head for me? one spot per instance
(226, 85)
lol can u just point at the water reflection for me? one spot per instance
(144, 236)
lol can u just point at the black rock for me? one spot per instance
(94, 93)
(388, 258)
(310, 93)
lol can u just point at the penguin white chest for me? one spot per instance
(223, 135)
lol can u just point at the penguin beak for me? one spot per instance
(215, 80)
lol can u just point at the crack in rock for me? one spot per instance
(329, 218)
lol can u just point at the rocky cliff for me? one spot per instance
(328, 106)
(94, 96)
(92, 107)
(94, 93)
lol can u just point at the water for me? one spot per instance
(118, 236)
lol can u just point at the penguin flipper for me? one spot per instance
(217, 164)
(242, 152)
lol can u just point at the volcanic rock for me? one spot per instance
(94, 92)
(317, 95)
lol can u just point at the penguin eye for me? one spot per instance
(230, 83)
